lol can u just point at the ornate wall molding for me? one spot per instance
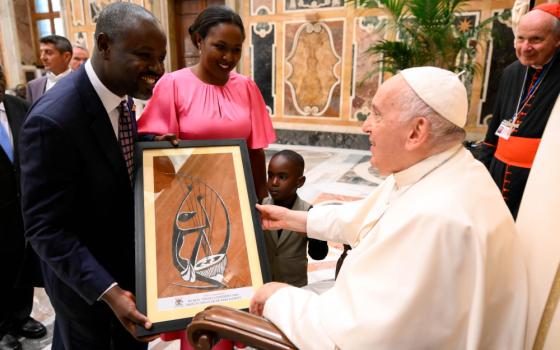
(366, 76)
(262, 7)
(263, 61)
(313, 68)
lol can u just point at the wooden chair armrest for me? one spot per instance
(217, 322)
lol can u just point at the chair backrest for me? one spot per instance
(538, 224)
(220, 322)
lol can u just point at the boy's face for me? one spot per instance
(283, 179)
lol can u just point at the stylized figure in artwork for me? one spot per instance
(197, 214)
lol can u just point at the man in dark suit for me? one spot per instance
(56, 53)
(16, 299)
(76, 175)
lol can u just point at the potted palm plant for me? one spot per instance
(426, 33)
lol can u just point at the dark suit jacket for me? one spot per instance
(12, 240)
(36, 89)
(78, 204)
(16, 109)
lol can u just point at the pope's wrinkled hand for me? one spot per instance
(272, 216)
(261, 296)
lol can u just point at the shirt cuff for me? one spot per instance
(106, 290)
(316, 222)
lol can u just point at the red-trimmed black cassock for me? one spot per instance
(509, 161)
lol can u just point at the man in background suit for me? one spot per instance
(56, 53)
(79, 56)
(77, 174)
(17, 297)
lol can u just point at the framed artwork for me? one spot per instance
(198, 236)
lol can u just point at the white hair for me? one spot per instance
(442, 131)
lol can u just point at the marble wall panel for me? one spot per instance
(263, 7)
(465, 22)
(24, 32)
(322, 138)
(95, 7)
(500, 53)
(366, 77)
(311, 5)
(263, 60)
(77, 13)
(312, 68)
(81, 39)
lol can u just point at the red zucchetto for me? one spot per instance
(553, 9)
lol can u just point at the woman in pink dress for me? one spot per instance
(210, 101)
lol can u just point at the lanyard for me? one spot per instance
(523, 102)
(533, 88)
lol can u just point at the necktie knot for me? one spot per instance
(126, 138)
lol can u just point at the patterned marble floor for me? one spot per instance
(331, 175)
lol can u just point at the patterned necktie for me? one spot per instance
(126, 138)
(5, 143)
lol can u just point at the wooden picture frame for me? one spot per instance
(198, 235)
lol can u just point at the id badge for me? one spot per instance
(505, 129)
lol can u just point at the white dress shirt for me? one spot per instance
(52, 79)
(110, 102)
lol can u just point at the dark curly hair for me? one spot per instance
(293, 157)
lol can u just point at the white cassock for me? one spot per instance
(436, 264)
(537, 224)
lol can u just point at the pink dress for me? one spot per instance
(186, 106)
(194, 110)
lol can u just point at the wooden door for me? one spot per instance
(185, 14)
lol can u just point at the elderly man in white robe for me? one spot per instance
(436, 262)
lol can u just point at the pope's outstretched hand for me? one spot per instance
(274, 217)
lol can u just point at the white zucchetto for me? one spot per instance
(441, 90)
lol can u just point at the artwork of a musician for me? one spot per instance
(201, 241)
(200, 244)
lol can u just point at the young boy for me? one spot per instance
(287, 250)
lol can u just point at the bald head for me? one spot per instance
(537, 39)
(111, 20)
